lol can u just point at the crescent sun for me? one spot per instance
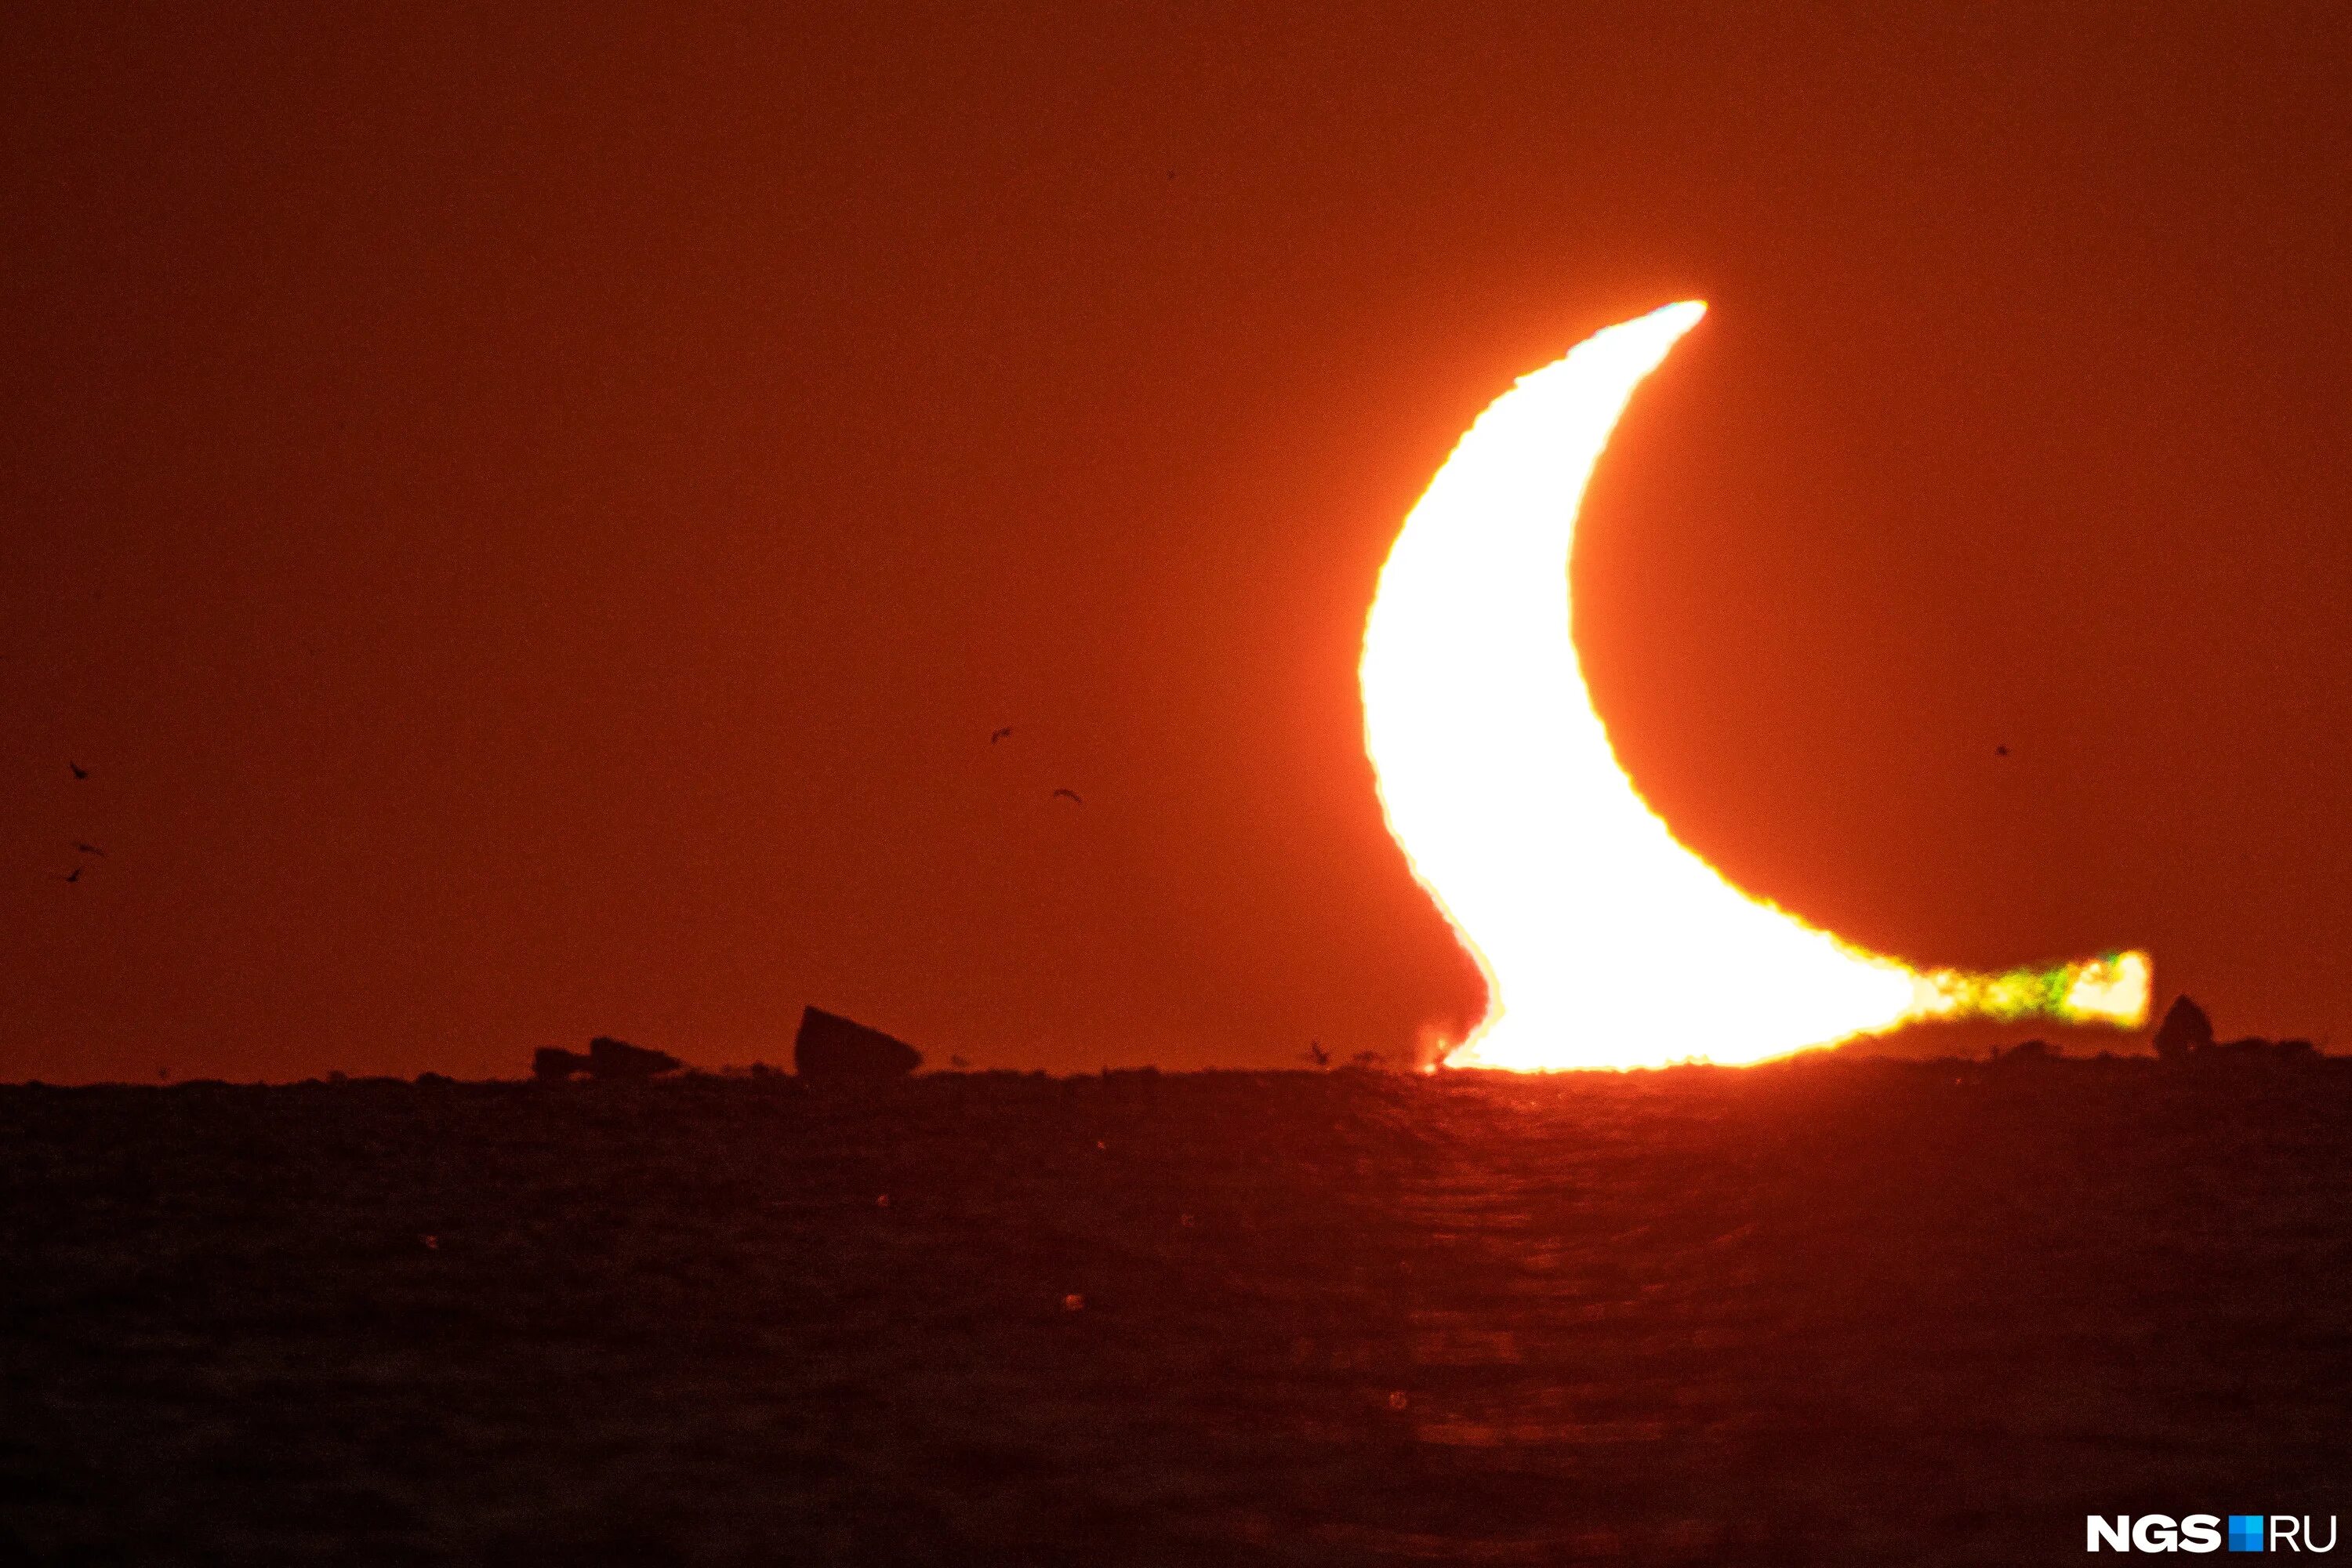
(1604, 941)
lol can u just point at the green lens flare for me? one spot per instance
(2110, 989)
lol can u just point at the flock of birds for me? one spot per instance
(1001, 735)
(82, 773)
(74, 876)
(1315, 1053)
(1069, 795)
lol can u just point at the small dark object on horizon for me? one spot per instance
(2027, 1051)
(606, 1058)
(74, 875)
(1069, 795)
(1317, 1055)
(1000, 735)
(78, 770)
(832, 1047)
(90, 849)
(2185, 1028)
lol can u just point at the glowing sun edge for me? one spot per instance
(1603, 940)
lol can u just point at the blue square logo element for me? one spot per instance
(2245, 1533)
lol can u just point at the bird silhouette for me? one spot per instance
(1069, 795)
(2001, 751)
(1000, 734)
(78, 770)
(90, 849)
(1317, 1055)
(74, 875)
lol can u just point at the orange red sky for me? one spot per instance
(530, 520)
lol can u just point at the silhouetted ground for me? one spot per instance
(1835, 1311)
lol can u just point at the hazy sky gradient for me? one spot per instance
(531, 522)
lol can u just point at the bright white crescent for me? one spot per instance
(1603, 940)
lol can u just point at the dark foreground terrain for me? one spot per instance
(1826, 1313)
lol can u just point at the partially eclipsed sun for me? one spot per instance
(1604, 942)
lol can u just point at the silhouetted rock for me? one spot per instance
(2186, 1028)
(2257, 1045)
(2186, 1032)
(605, 1058)
(553, 1064)
(832, 1047)
(609, 1057)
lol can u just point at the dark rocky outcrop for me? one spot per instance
(2258, 1045)
(2187, 1034)
(606, 1058)
(832, 1047)
(2251, 1045)
(609, 1057)
(553, 1064)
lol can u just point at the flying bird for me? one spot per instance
(78, 770)
(90, 849)
(1317, 1055)
(74, 875)
(2001, 751)
(1069, 795)
(1000, 734)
